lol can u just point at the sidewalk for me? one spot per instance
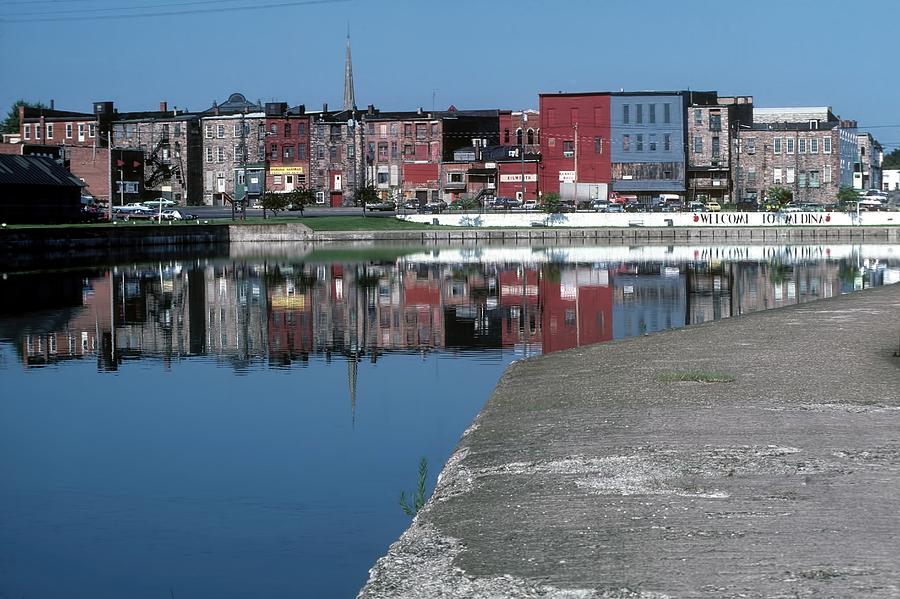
(588, 475)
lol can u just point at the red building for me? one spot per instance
(575, 136)
(577, 308)
(287, 147)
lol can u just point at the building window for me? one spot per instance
(626, 117)
(237, 129)
(50, 131)
(518, 137)
(789, 145)
(651, 113)
(639, 113)
(68, 130)
(826, 145)
(801, 179)
(813, 145)
(698, 144)
(273, 151)
(715, 121)
(813, 180)
(288, 152)
(351, 151)
(407, 129)
(382, 151)
(332, 152)
(639, 139)
(301, 151)
(455, 178)
(276, 179)
(287, 129)
(776, 145)
(421, 130)
(801, 145)
(698, 116)
(320, 152)
(80, 131)
(237, 152)
(530, 137)
(177, 129)
(209, 131)
(715, 148)
(626, 143)
(26, 131)
(568, 149)
(751, 175)
(667, 113)
(220, 131)
(273, 128)
(667, 140)
(393, 150)
(209, 154)
(826, 175)
(37, 131)
(598, 145)
(301, 128)
(776, 176)
(434, 129)
(92, 130)
(408, 150)
(789, 175)
(506, 136)
(652, 140)
(751, 145)
(220, 154)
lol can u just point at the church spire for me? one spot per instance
(349, 95)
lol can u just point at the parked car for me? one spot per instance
(177, 214)
(132, 213)
(383, 206)
(434, 207)
(713, 206)
(617, 208)
(502, 203)
(599, 205)
(411, 204)
(697, 207)
(812, 207)
(791, 208)
(157, 202)
(530, 205)
(673, 207)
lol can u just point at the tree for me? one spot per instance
(847, 194)
(300, 198)
(275, 201)
(777, 196)
(552, 203)
(366, 195)
(11, 124)
(892, 160)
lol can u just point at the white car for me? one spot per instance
(157, 202)
(530, 205)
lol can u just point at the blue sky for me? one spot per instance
(485, 54)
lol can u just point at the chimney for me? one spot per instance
(301, 109)
(174, 111)
(52, 103)
(371, 110)
(325, 107)
(215, 108)
(163, 107)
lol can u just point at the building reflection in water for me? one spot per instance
(281, 313)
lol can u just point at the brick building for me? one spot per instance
(172, 147)
(867, 167)
(233, 145)
(807, 150)
(287, 147)
(711, 130)
(575, 144)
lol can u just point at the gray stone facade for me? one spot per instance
(336, 164)
(221, 156)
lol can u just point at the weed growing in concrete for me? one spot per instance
(696, 376)
(419, 499)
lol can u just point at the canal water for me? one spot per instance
(244, 425)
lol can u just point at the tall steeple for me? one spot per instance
(349, 96)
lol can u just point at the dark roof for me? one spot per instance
(155, 115)
(804, 126)
(34, 170)
(234, 104)
(50, 114)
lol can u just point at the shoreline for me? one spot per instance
(588, 474)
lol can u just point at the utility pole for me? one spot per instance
(522, 150)
(244, 166)
(575, 200)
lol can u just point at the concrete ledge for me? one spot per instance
(588, 475)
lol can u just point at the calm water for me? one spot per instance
(241, 427)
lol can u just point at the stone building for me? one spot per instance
(336, 165)
(233, 148)
(172, 147)
(711, 129)
(807, 150)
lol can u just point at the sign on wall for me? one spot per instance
(566, 176)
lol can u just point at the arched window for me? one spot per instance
(518, 137)
(531, 137)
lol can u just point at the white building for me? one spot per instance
(890, 180)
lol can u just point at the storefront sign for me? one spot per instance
(286, 170)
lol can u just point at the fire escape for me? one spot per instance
(160, 165)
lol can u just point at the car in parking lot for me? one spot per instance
(614, 208)
(157, 202)
(530, 205)
(134, 213)
(382, 206)
(502, 203)
(177, 214)
(713, 206)
(599, 205)
(435, 207)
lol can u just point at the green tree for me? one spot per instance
(366, 195)
(777, 196)
(11, 124)
(275, 201)
(892, 160)
(846, 195)
(300, 198)
(552, 203)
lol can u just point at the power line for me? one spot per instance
(175, 13)
(139, 7)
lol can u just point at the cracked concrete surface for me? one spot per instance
(586, 476)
